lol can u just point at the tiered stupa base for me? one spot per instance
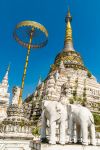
(15, 130)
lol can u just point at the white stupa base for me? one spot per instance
(14, 144)
(40, 146)
(68, 147)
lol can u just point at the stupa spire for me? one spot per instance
(7, 70)
(39, 81)
(5, 79)
(68, 43)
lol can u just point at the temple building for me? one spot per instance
(4, 96)
(68, 81)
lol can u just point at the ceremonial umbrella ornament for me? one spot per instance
(29, 34)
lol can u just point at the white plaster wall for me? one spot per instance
(14, 144)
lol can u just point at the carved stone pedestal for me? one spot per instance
(39, 146)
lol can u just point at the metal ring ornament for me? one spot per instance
(34, 25)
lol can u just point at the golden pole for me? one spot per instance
(25, 68)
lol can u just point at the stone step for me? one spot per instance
(40, 146)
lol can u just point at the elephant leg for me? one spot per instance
(62, 132)
(66, 132)
(71, 130)
(78, 132)
(52, 132)
(84, 129)
(92, 134)
(43, 129)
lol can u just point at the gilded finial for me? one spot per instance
(68, 44)
(68, 17)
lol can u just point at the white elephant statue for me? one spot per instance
(82, 118)
(55, 112)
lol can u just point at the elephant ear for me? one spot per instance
(44, 103)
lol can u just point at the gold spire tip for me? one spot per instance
(68, 17)
(68, 42)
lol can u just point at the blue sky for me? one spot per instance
(50, 13)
